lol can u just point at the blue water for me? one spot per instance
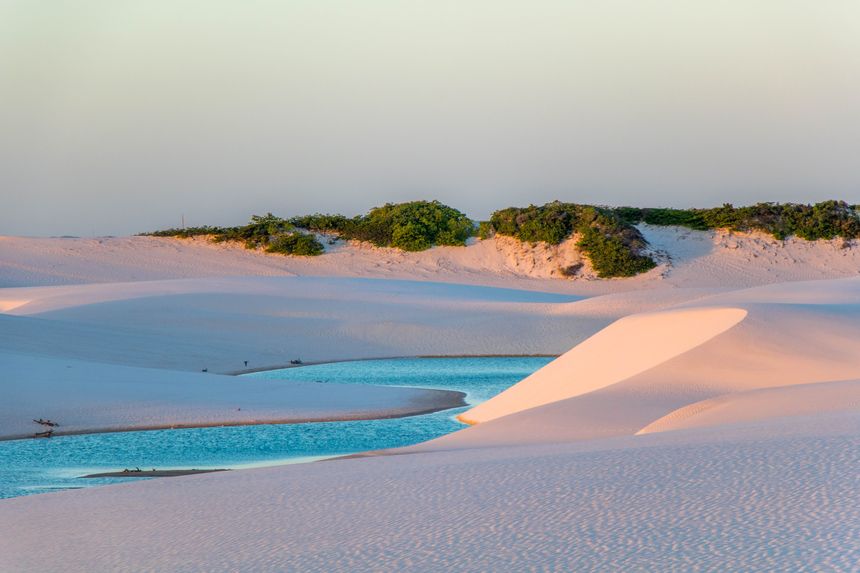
(37, 466)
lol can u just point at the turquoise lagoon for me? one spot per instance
(38, 466)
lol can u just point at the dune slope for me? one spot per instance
(689, 426)
(763, 498)
(623, 349)
(799, 333)
(762, 404)
(91, 397)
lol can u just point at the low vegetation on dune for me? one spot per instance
(295, 243)
(606, 235)
(412, 226)
(614, 246)
(269, 232)
(825, 220)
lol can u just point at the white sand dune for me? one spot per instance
(767, 497)
(763, 404)
(75, 353)
(609, 357)
(54, 261)
(190, 324)
(703, 417)
(810, 334)
(694, 259)
(738, 260)
(217, 324)
(91, 397)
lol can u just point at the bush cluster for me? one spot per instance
(322, 223)
(274, 234)
(186, 232)
(301, 244)
(612, 244)
(825, 220)
(551, 223)
(412, 226)
(607, 236)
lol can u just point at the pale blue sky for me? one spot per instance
(117, 116)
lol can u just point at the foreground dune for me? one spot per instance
(768, 497)
(808, 334)
(689, 425)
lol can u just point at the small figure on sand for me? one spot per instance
(296, 361)
(46, 423)
(246, 364)
(46, 434)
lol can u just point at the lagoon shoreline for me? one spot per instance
(370, 359)
(448, 400)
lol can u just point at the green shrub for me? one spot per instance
(485, 230)
(412, 226)
(610, 257)
(825, 220)
(186, 233)
(631, 215)
(571, 270)
(323, 223)
(258, 232)
(607, 235)
(295, 243)
(550, 223)
(684, 218)
(276, 235)
(608, 239)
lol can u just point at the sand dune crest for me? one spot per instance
(762, 404)
(10, 304)
(623, 349)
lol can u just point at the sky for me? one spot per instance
(121, 116)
